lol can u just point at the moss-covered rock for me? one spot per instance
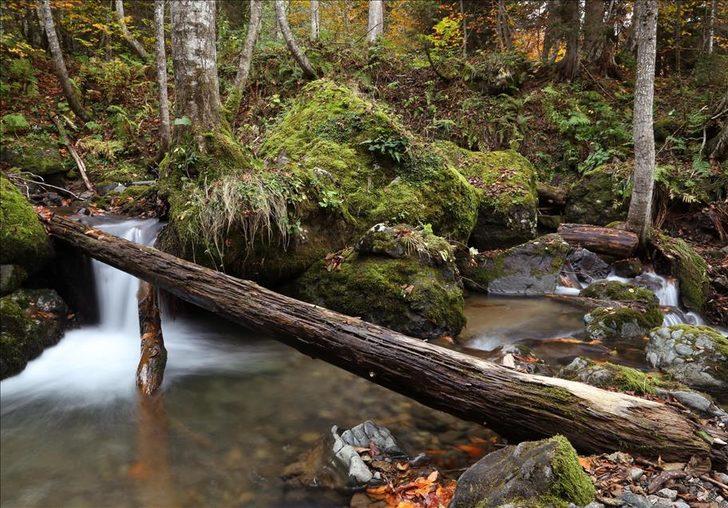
(690, 269)
(630, 321)
(401, 277)
(11, 278)
(612, 376)
(30, 321)
(538, 473)
(694, 355)
(505, 184)
(22, 237)
(529, 269)
(600, 196)
(36, 153)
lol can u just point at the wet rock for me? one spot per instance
(636, 473)
(667, 493)
(698, 402)
(679, 259)
(635, 500)
(401, 277)
(36, 153)
(543, 472)
(598, 197)
(610, 375)
(529, 269)
(368, 433)
(521, 358)
(11, 278)
(628, 268)
(30, 321)
(586, 266)
(694, 355)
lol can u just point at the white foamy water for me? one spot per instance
(97, 364)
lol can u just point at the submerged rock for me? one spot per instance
(30, 321)
(535, 473)
(680, 260)
(694, 355)
(600, 196)
(525, 270)
(23, 240)
(615, 322)
(611, 376)
(401, 277)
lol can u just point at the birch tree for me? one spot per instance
(246, 59)
(195, 65)
(639, 218)
(293, 47)
(315, 24)
(128, 37)
(59, 65)
(161, 56)
(375, 27)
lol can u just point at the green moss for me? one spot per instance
(622, 322)
(690, 269)
(617, 377)
(23, 238)
(620, 291)
(572, 483)
(36, 153)
(600, 196)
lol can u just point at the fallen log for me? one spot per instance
(617, 243)
(516, 405)
(150, 371)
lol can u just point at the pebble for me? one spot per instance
(680, 504)
(668, 493)
(636, 473)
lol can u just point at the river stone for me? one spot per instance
(694, 355)
(611, 376)
(368, 433)
(11, 278)
(529, 269)
(628, 268)
(545, 472)
(587, 266)
(698, 402)
(30, 321)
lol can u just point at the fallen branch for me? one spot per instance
(72, 150)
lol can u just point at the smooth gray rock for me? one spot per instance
(364, 434)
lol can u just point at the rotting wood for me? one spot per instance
(150, 371)
(617, 243)
(519, 406)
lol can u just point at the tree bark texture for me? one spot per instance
(195, 63)
(315, 21)
(59, 65)
(165, 129)
(232, 104)
(517, 405)
(618, 243)
(639, 218)
(293, 47)
(375, 26)
(505, 35)
(594, 29)
(128, 37)
(150, 371)
(570, 23)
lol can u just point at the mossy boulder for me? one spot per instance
(678, 258)
(694, 355)
(600, 196)
(22, 237)
(505, 183)
(30, 321)
(612, 376)
(400, 277)
(531, 474)
(36, 153)
(11, 278)
(529, 269)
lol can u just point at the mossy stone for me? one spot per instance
(11, 278)
(612, 376)
(600, 196)
(36, 153)
(688, 267)
(22, 237)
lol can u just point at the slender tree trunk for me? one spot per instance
(504, 29)
(639, 218)
(678, 36)
(711, 25)
(128, 37)
(293, 47)
(465, 28)
(552, 30)
(375, 27)
(246, 59)
(165, 130)
(315, 26)
(570, 22)
(59, 65)
(594, 29)
(195, 65)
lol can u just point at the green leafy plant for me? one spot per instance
(394, 148)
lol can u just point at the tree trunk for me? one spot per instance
(570, 22)
(150, 371)
(517, 405)
(59, 65)
(375, 26)
(551, 32)
(232, 105)
(465, 29)
(678, 36)
(315, 26)
(195, 65)
(618, 243)
(594, 30)
(165, 130)
(711, 25)
(639, 218)
(128, 37)
(298, 55)
(504, 29)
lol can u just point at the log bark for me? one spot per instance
(517, 405)
(617, 243)
(150, 371)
